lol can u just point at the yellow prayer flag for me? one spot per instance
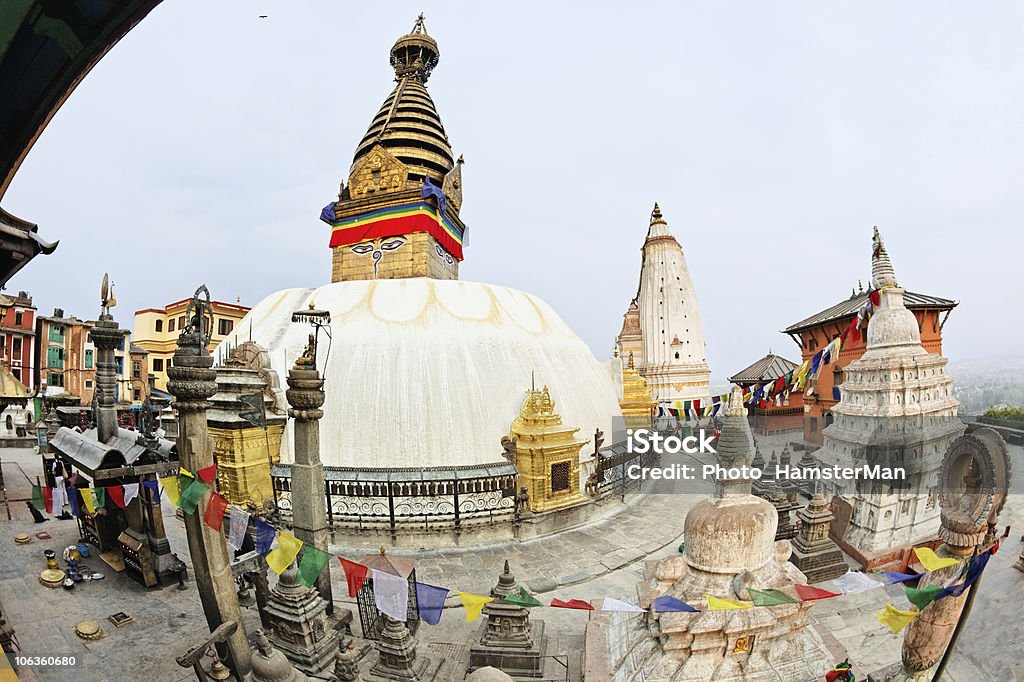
(932, 561)
(288, 547)
(89, 500)
(895, 619)
(171, 489)
(721, 604)
(185, 472)
(473, 604)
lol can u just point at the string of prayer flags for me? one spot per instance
(522, 598)
(190, 496)
(154, 489)
(810, 593)
(237, 525)
(855, 582)
(264, 536)
(391, 594)
(894, 619)
(116, 493)
(215, 508)
(894, 577)
(668, 604)
(474, 604)
(770, 597)
(355, 575)
(131, 491)
(974, 569)
(430, 602)
(37, 497)
(924, 596)
(89, 501)
(610, 604)
(572, 604)
(932, 561)
(171, 488)
(288, 547)
(208, 474)
(723, 604)
(311, 564)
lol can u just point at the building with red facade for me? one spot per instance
(18, 337)
(771, 416)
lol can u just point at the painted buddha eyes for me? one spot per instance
(376, 249)
(362, 249)
(392, 244)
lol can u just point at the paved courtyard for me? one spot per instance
(604, 558)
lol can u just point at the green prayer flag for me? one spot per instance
(523, 598)
(37, 498)
(101, 497)
(312, 563)
(770, 597)
(192, 495)
(924, 596)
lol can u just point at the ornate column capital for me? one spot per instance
(305, 393)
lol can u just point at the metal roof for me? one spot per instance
(849, 308)
(769, 367)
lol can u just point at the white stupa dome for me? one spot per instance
(430, 373)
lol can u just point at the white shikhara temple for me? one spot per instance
(897, 409)
(663, 327)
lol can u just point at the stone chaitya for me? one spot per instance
(300, 628)
(814, 552)
(897, 410)
(730, 548)
(509, 640)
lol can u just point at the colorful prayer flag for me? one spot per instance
(430, 602)
(191, 496)
(895, 619)
(974, 569)
(88, 500)
(288, 547)
(892, 577)
(311, 565)
(932, 561)
(668, 604)
(171, 488)
(391, 594)
(355, 575)
(101, 497)
(924, 596)
(770, 597)
(48, 499)
(73, 501)
(154, 488)
(474, 604)
(116, 493)
(610, 604)
(264, 536)
(208, 474)
(522, 598)
(215, 508)
(855, 582)
(809, 593)
(572, 604)
(723, 604)
(131, 491)
(875, 297)
(238, 524)
(37, 498)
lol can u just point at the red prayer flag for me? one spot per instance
(215, 508)
(116, 493)
(208, 474)
(696, 406)
(572, 604)
(995, 547)
(355, 575)
(875, 297)
(808, 593)
(48, 499)
(854, 330)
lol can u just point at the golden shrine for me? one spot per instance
(547, 454)
(637, 404)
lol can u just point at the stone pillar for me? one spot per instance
(192, 383)
(105, 336)
(309, 506)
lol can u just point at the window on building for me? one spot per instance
(55, 380)
(136, 394)
(88, 383)
(559, 476)
(55, 357)
(181, 322)
(17, 319)
(16, 345)
(56, 333)
(159, 325)
(88, 358)
(120, 365)
(158, 365)
(120, 343)
(170, 325)
(136, 369)
(224, 327)
(17, 373)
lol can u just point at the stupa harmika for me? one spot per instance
(897, 409)
(662, 326)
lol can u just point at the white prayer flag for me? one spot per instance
(238, 524)
(131, 491)
(852, 583)
(617, 605)
(391, 594)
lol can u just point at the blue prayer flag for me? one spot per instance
(430, 600)
(816, 362)
(894, 577)
(264, 537)
(327, 215)
(974, 569)
(73, 501)
(155, 487)
(835, 393)
(667, 604)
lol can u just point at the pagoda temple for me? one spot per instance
(664, 323)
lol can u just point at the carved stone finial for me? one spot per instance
(882, 273)
(656, 213)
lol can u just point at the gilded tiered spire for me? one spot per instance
(637, 404)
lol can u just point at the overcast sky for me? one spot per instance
(202, 148)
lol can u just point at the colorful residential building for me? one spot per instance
(18, 337)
